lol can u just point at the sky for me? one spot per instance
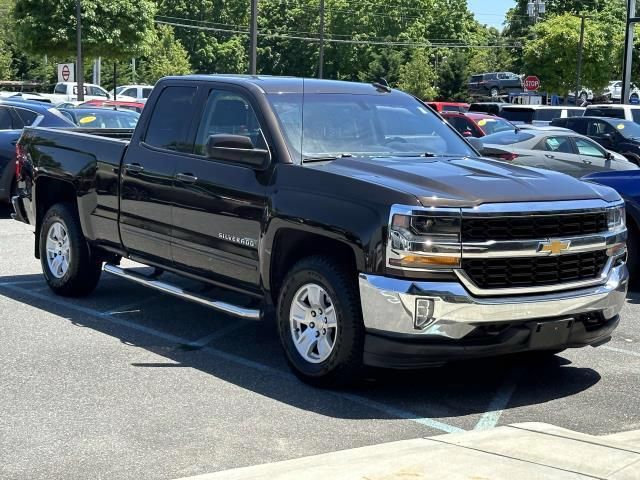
(491, 12)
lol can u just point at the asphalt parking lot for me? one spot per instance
(131, 384)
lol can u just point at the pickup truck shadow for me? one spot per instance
(249, 356)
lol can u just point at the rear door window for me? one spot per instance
(26, 117)
(171, 119)
(60, 89)
(146, 92)
(6, 120)
(556, 144)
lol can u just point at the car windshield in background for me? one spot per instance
(494, 125)
(605, 112)
(106, 119)
(337, 125)
(525, 115)
(627, 128)
(507, 138)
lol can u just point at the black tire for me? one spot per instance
(344, 363)
(84, 269)
(632, 158)
(494, 92)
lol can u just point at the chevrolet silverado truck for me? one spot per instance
(376, 234)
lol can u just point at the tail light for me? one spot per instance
(21, 157)
(508, 156)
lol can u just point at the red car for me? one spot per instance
(135, 106)
(477, 124)
(449, 107)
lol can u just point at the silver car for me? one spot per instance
(560, 150)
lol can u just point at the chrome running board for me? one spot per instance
(247, 313)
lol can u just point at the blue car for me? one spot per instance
(14, 116)
(627, 184)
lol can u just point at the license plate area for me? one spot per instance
(551, 334)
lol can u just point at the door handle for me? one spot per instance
(588, 162)
(550, 156)
(186, 178)
(134, 168)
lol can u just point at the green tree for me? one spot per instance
(111, 28)
(552, 54)
(167, 57)
(417, 76)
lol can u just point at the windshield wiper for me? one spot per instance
(326, 158)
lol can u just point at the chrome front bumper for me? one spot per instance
(389, 305)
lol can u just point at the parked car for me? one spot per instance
(613, 92)
(560, 151)
(449, 106)
(493, 108)
(494, 84)
(14, 116)
(117, 105)
(375, 233)
(101, 117)
(622, 136)
(623, 112)
(584, 95)
(68, 92)
(627, 184)
(136, 92)
(538, 114)
(477, 124)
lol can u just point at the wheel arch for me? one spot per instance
(47, 192)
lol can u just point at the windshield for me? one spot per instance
(627, 128)
(494, 125)
(107, 119)
(333, 125)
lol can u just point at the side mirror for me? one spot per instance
(608, 155)
(476, 143)
(237, 149)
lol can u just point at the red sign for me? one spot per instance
(531, 83)
(65, 73)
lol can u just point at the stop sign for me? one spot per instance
(65, 73)
(531, 83)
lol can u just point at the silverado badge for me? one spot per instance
(554, 247)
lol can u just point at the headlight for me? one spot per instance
(616, 218)
(424, 242)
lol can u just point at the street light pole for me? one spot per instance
(253, 48)
(79, 66)
(321, 56)
(580, 50)
(632, 19)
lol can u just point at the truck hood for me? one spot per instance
(467, 182)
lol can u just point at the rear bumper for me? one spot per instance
(467, 326)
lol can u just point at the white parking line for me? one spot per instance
(500, 401)
(620, 350)
(232, 358)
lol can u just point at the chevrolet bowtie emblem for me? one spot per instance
(555, 247)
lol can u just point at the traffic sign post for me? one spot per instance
(66, 72)
(531, 83)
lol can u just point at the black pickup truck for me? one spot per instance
(372, 228)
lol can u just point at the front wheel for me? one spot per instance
(320, 322)
(67, 263)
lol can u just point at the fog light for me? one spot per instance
(424, 313)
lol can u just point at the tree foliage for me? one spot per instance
(417, 76)
(110, 28)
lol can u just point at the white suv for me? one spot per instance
(623, 112)
(614, 91)
(139, 92)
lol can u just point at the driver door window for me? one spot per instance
(588, 148)
(231, 114)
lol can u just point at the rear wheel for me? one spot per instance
(320, 322)
(67, 263)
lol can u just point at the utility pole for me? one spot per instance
(321, 56)
(79, 66)
(253, 47)
(580, 50)
(632, 19)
